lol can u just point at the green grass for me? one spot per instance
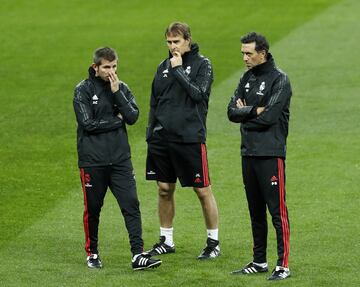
(46, 47)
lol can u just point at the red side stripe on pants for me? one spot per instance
(86, 215)
(283, 214)
(204, 165)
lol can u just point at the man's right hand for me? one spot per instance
(114, 82)
(259, 110)
(176, 59)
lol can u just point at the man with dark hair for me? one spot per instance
(103, 106)
(261, 104)
(176, 135)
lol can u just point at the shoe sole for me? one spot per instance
(151, 266)
(240, 272)
(157, 254)
(278, 278)
(209, 258)
(95, 267)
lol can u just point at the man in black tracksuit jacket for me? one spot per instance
(176, 135)
(181, 107)
(261, 104)
(103, 106)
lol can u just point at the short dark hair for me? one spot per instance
(178, 28)
(105, 53)
(261, 44)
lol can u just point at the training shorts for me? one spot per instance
(166, 161)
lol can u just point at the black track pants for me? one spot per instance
(120, 179)
(264, 180)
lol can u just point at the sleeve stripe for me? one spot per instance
(275, 97)
(186, 79)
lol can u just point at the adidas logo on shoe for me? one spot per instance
(251, 268)
(161, 248)
(144, 261)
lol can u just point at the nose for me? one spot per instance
(172, 45)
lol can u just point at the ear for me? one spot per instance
(189, 41)
(263, 54)
(96, 68)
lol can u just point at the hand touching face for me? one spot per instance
(105, 68)
(178, 46)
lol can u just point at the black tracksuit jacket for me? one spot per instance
(264, 134)
(101, 136)
(179, 98)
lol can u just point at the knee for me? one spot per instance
(166, 190)
(203, 193)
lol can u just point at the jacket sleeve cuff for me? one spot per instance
(120, 98)
(253, 112)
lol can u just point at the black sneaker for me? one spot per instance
(161, 248)
(212, 250)
(280, 273)
(250, 268)
(144, 261)
(93, 261)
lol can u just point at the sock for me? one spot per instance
(168, 233)
(213, 233)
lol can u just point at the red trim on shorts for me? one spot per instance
(204, 165)
(283, 214)
(86, 214)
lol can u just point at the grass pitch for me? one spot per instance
(46, 48)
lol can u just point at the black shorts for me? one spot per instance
(166, 161)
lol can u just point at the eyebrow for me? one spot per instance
(107, 65)
(175, 41)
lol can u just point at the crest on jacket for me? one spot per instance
(261, 89)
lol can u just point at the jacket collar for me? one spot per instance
(264, 67)
(194, 49)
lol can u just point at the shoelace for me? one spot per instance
(208, 249)
(158, 244)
